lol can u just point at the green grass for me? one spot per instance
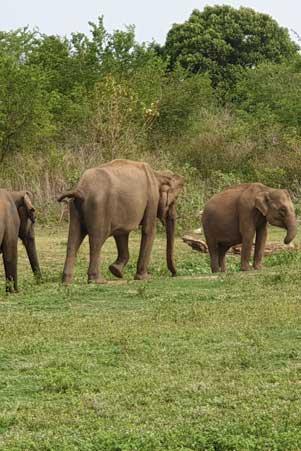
(197, 362)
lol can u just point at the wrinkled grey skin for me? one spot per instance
(17, 221)
(242, 212)
(114, 199)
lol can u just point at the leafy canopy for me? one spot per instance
(223, 41)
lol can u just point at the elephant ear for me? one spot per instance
(170, 186)
(28, 205)
(262, 203)
(23, 202)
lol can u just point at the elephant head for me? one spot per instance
(170, 186)
(276, 205)
(26, 211)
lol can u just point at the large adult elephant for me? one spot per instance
(237, 214)
(17, 217)
(114, 199)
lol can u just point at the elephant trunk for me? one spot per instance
(170, 225)
(291, 227)
(31, 250)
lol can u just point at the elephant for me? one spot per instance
(17, 217)
(237, 214)
(112, 200)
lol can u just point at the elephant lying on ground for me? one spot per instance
(239, 213)
(114, 199)
(17, 220)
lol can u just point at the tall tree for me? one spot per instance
(224, 41)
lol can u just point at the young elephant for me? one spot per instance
(114, 199)
(17, 220)
(239, 213)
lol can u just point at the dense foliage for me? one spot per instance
(223, 40)
(223, 109)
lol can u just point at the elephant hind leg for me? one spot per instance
(96, 241)
(76, 235)
(214, 254)
(10, 257)
(222, 250)
(122, 244)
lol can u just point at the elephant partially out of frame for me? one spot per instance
(114, 199)
(17, 217)
(237, 214)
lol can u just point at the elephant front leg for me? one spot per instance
(261, 237)
(10, 257)
(94, 276)
(246, 251)
(122, 244)
(147, 240)
(30, 246)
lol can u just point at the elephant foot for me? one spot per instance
(116, 270)
(214, 270)
(66, 283)
(98, 281)
(66, 279)
(11, 290)
(246, 268)
(38, 277)
(257, 266)
(144, 276)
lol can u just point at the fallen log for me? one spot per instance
(196, 243)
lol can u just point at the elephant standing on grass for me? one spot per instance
(114, 199)
(239, 213)
(17, 220)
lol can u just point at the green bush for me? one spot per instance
(69, 104)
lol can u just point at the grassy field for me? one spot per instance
(198, 362)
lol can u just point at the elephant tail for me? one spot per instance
(71, 195)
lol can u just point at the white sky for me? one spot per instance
(152, 18)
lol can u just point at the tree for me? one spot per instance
(25, 121)
(224, 41)
(270, 94)
(182, 99)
